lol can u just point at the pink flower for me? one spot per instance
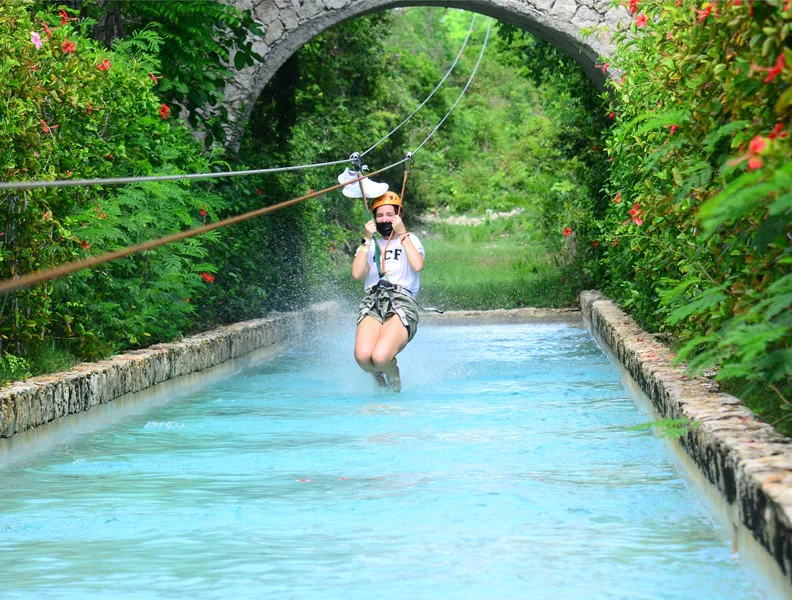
(757, 145)
(68, 47)
(617, 199)
(640, 20)
(164, 111)
(35, 39)
(154, 78)
(567, 231)
(633, 7)
(604, 67)
(755, 163)
(674, 129)
(104, 66)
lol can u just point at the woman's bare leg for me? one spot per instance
(368, 333)
(392, 340)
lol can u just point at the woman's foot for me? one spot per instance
(380, 377)
(394, 382)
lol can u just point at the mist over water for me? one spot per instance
(504, 469)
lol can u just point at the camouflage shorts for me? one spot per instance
(384, 310)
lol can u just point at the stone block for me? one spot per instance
(7, 416)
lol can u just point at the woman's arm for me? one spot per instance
(413, 256)
(360, 264)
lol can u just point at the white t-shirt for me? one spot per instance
(397, 268)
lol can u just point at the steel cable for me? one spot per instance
(462, 93)
(68, 268)
(437, 87)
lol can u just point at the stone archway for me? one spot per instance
(289, 24)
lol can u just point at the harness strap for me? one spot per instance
(389, 288)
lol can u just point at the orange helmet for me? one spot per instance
(391, 198)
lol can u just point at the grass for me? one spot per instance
(498, 264)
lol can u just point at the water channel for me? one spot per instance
(506, 468)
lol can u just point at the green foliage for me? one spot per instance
(668, 428)
(13, 368)
(195, 43)
(62, 117)
(696, 237)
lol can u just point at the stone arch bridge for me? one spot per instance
(289, 24)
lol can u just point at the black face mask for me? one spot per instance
(385, 229)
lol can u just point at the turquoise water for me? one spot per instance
(505, 469)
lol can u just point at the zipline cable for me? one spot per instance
(24, 185)
(462, 93)
(65, 269)
(437, 87)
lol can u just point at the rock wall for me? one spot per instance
(747, 460)
(39, 400)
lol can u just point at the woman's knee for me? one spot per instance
(363, 356)
(382, 357)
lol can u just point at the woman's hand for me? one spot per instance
(371, 229)
(398, 225)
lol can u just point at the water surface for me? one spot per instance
(504, 469)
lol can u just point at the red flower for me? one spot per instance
(258, 191)
(616, 242)
(617, 199)
(603, 67)
(85, 245)
(109, 156)
(623, 77)
(68, 47)
(634, 210)
(154, 78)
(64, 17)
(755, 163)
(612, 115)
(640, 20)
(202, 212)
(633, 7)
(164, 111)
(595, 244)
(772, 72)
(207, 277)
(48, 215)
(47, 30)
(703, 14)
(674, 129)
(757, 145)
(567, 231)
(778, 130)
(104, 66)
(47, 128)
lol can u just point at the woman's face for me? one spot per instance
(385, 213)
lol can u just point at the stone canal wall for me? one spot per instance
(745, 459)
(39, 400)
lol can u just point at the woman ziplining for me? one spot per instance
(389, 265)
(388, 315)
